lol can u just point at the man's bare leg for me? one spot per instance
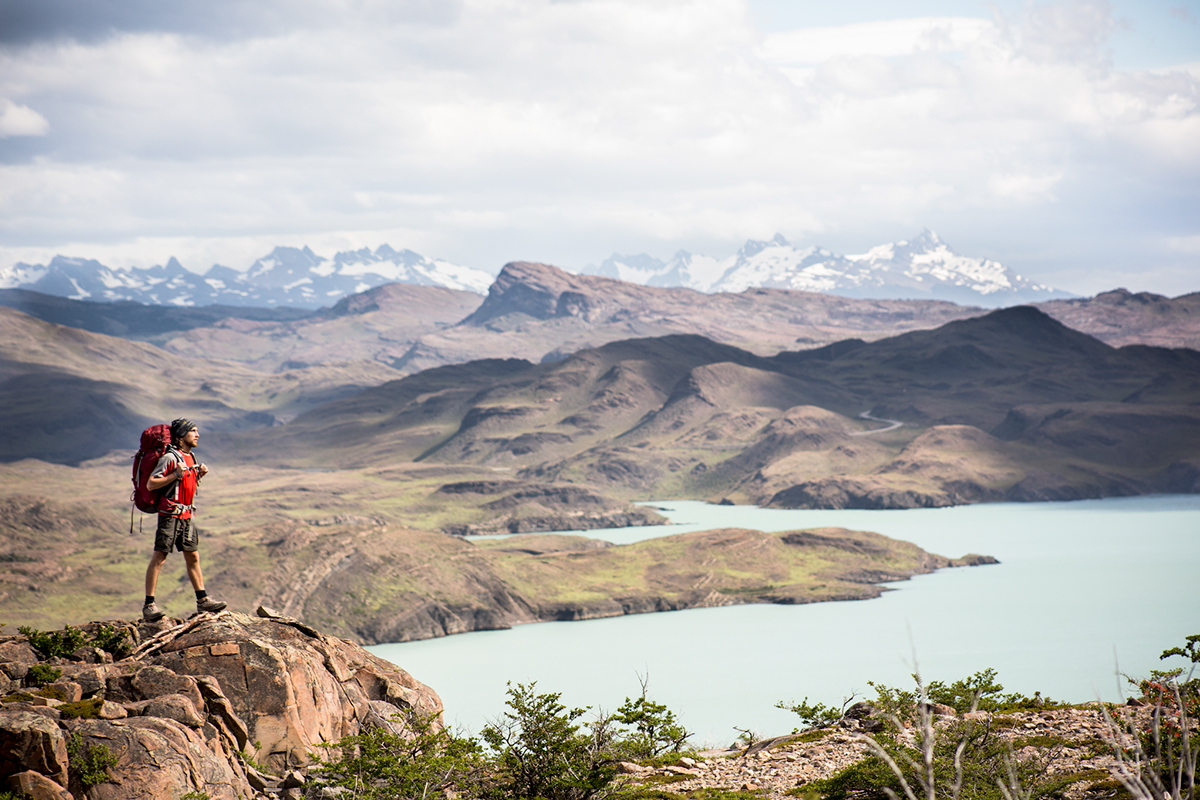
(152, 570)
(150, 611)
(192, 560)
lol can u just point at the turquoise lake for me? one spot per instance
(1084, 590)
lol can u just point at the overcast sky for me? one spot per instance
(1060, 138)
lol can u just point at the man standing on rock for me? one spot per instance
(177, 475)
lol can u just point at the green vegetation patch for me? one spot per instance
(18, 697)
(55, 644)
(41, 674)
(89, 763)
(82, 709)
(750, 565)
(54, 692)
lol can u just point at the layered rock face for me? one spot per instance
(197, 707)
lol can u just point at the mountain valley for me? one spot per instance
(347, 442)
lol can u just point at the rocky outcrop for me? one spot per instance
(524, 507)
(198, 706)
(876, 493)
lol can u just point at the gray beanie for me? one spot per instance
(180, 428)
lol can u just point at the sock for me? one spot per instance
(149, 599)
(200, 595)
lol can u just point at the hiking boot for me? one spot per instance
(210, 605)
(150, 613)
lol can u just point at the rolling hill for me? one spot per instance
(1011, 405)
(70, 395)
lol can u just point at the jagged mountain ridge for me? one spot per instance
(287, 276)
(540, 312)
(924, 267)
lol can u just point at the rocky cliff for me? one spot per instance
(224, 705)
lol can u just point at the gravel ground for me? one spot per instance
(1071, 741)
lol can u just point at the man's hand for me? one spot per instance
(201, 471)
(179, 471)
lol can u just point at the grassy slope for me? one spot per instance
(337, 549)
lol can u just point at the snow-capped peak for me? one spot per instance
(922, 267)
(285, 276)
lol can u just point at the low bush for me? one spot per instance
(61, 644)
(655, 729)
(114, 640)
(540, 750)
(55, 644)
(424, 761)
(41, 674)
(89, 763)
(816, 715)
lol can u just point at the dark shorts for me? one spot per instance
(176, 534)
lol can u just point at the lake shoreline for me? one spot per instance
(1084, 590)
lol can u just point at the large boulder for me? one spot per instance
(31, 741)
(160, 758)
(293, 687)
(37, 786)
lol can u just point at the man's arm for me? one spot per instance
(164, 475)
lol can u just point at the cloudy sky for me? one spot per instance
(1060, 137)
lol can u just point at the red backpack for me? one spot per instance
(155, 441)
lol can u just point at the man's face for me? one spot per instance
(191, 438)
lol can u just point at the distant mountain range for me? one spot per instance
(288, 276)
(923, 268)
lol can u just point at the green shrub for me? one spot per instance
(655, 728)
(979, 692)
(540, 750)
(818, 715)
(89, 764)
(41, 674)
(55, 644)
(426, 761)
(113, 640)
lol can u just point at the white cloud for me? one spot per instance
(19, 120)
(1023, 187)
(558, 130)
(1189, 245)
(899, 37)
